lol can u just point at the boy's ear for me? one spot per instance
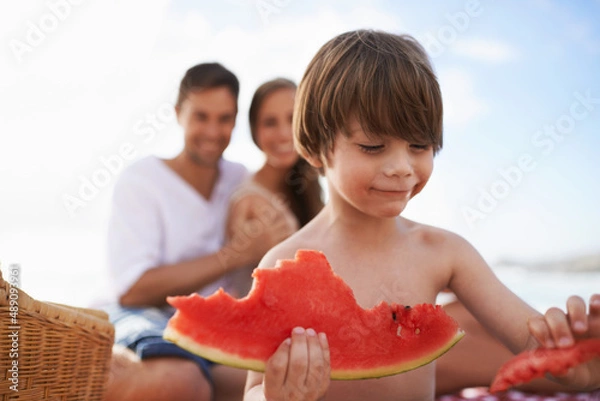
(312, 160)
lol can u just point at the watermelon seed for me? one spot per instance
(417, 331)
(399, 331)
(394, 316)
(407, 307)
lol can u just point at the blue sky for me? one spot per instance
(102, 75)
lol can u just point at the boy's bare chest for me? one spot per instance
(389, 278)
(414, 385)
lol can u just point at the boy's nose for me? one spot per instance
(398, 165)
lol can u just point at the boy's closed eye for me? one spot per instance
(379, 148)
(371, 148)
(416, 146)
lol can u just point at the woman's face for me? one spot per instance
(274, 128)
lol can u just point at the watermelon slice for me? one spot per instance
(305, 292)
(529, 365)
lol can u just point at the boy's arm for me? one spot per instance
(254, 389)
(496, 307)
(517, 324)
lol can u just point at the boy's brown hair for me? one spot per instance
(385, 80)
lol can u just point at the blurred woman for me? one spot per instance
(286, 188)
(282, 196)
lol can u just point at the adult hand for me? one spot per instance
(256, 226)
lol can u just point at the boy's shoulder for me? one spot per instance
(424, 237)
(307, 237)
(443, 243)
(429, 235)
(284, 250)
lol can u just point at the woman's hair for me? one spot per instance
(207, 76)
(302, 179)
(384, 80)
(261, 93)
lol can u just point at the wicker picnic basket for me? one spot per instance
(51, 351)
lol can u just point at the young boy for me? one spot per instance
(369, 115)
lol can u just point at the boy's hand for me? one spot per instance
(300, 368)
(561, 330)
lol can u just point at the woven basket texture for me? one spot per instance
(62, 352)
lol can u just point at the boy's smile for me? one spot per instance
(376, 174)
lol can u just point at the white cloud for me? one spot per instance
(461, 103)
(491, 51)
(77, 96)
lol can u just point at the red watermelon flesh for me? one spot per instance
(533, 364)
(305, 292)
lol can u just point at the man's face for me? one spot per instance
(207, 117)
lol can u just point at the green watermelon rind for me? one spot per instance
(211, 353)
(218, 356)
(390, 370)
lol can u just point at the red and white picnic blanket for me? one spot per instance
(481, 394)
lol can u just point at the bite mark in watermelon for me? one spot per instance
(532, 364)
(364, 343)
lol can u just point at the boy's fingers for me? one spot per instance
(594, 316)
(325, 347)
(577, 314)
(277, 366)
(298, 364)
(326, 357)
(559, 328)
(540, 331)
(316, 359)
(595, 305)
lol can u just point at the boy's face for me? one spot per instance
(377, 175)
(207, 118)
